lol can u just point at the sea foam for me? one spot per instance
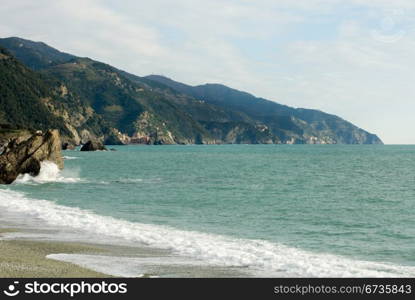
(70, 157)
(261, 258)
(123, 266)
(49, 172)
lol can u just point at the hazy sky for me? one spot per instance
(353, 58)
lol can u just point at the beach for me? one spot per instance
(27, 258)
(38, 258)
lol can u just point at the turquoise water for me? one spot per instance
(354, 202)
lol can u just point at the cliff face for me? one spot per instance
(21, 155)
(90, 100)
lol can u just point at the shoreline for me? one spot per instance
(108, 255)
(125, 251)
(27, 258)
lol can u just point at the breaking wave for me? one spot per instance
(49, 172)
(261, 258)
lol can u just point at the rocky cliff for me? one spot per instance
(23, 155)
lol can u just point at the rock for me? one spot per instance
(67, 146)
(93, 146)
(113, 139)
(21, 157)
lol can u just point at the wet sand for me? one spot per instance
(39, 258)
(22, 258)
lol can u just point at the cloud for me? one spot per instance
(353, 58)
(357, 76)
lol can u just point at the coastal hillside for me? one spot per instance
(35, 55)
(21, 93)
(87, 99)
(291, 125)
(32, 101)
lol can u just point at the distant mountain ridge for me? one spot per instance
(90, 99)
(35, 55)
(292, 125)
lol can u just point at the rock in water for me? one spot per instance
(93, 146)
(67, 146)
(21, 157)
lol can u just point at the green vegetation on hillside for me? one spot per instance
(286, 123)
(87, 99)
(21, 94)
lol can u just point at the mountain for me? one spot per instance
(22, 91)
(291, 125)
(87, 99)
(35, 55)
(145, 111)
(29, 100)
(132, 110)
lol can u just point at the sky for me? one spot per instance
(352, 58)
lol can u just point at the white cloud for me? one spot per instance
(358, 77)
(353, 58)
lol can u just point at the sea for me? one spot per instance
(227, 210)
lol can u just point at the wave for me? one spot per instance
(70, 157)
(130, 181)
(262, 258)
(114, 266)
(123, 181)
(49, 172)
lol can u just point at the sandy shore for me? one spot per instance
(27, 258)
(23, 258)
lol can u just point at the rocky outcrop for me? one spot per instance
(67, 146)
(25, 156)
(149, 129)
(8, 134)
(93, 146)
